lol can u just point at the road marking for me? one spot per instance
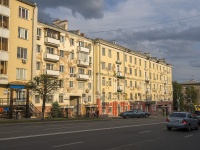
(163, 129)
(188, 136)
(78, 131)
(10, 132)
(67, 144)
(144, 131)
(67, 127)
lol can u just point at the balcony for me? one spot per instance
(51, 41)
(147, 79)
(3, 79)
(83, 49)
(119, 88)
(4, 55)
(119, 75)
(118, 62)
(4, 32)
(5, 10)
(52, 72)
(51, 57)
(82, 63)
(82, 77)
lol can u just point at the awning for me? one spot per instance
(66, 107)
(91, 106)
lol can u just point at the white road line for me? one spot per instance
(78, 131)
(144, 131)
(67, 127)
(67, 144)
(188, 136)
(163, 129)
(10, 132)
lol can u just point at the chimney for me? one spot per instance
(61, 24)
(82, 34)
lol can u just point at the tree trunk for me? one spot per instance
(43, 107)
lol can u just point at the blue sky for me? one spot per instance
(166, 28)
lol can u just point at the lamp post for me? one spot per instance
(178, 102)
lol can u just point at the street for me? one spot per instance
(116, 134)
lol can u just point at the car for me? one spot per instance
(182, 120)
(134, 113)
(197, 114)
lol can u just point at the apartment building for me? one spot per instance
(67, 55)
(18, 20)
(125, 79)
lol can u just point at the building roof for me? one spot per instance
(28, 2)
(191, 82)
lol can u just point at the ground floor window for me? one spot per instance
(37, 99)
(110, 110)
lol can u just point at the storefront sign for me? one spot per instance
(17, 86)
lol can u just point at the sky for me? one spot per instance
(167, 29)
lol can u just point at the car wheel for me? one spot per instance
(169, 128)
(189, 128)
(126, 116)
(197, 127)
(146, 116)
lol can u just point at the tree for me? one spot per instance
(55, 110)
(44, 85)
(177, 96)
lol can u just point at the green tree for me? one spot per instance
(44, 86)
(191, 94)
(177, 96)
(55, 110)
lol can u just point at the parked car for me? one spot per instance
(182, 120)
(135, 113)
(197, 114)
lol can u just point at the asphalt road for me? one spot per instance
(115, 134)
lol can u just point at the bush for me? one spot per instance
(55, 110)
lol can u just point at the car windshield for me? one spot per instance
(197, 112)
(181, 115)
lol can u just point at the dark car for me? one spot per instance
(135, 113)
(182, 120)
(197, 114)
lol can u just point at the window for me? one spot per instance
(60, 98)
(49, 99)
(118, 56)
(50, 50)
(21, 74)
(71, 84)
(109, 66)
(90, 59)
(125, 83)
(110, 110)
(61, 68)
(21, 53)
(140, 73)
(3, 44)
(62, 53)
(103, 81)
(3, 67)
(135, 61)
(81, 85)
(4, 2)
(109, 95)
(125, 69)
(4, 21)
(61, 83)
(103, 65)
(140, 62)
(52, 34)
(71, 55)
(135, 72)
(130, 69)
(130, 59)
(103, 52)
(131, 84)
(37, 65)
(90, 85)
(49, 66)
(38, 48)
(125, 58)
(37, 99)
(72, 70)
(89, 99)
(110, 81)
(23, 33)
(89, 72)
(62, 39)
(109, 53)
(71, 41)
(23, 13)
(39, 33)
(81, 71)
(81, 44)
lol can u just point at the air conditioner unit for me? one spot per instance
(24, 61)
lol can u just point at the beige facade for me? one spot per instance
(125, 79)
(67, 55)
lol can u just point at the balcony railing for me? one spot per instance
(120, 75)
(4, 10)
(3, 79)
(118, 62)
(4, 55)
(83, 63)
(4, 32)
(147, 79)
(51, 41)
(51, 57)
(52, 72)
(82, 77)
(83, 49)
